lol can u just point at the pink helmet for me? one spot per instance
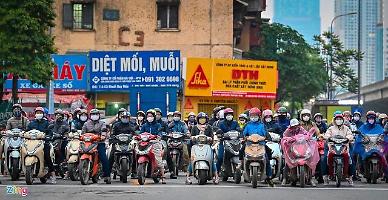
(255, 111)
(267, 112)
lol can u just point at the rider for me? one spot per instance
(83, 117)
(242, 121)
(215, 114)
(151, 126)
(170, 116)
(269, 124)
(18, 120)
(283, 121)
(306, 123)
(357, 119)
(203, 127)
(177, 126)
(322, 126)
(383, 119)
(338, 128)
(40, 123)
(76, 115)
(225, 126)
(256, 127)
(94, 125)
(140, 120)
(191, 120)
(60, 128)
(159, 120)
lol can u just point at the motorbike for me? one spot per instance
(202, 158)
(254, 160)
(33, 156)
(301, 156)
(373, 157)
(12, 148)
(89, 160)
(231, 166)
(338, 146)
(123, 155)
(60, 167)
(276, 161)
(175, 143)
(72, 155)
(149, 153)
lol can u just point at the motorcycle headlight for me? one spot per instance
(87, 138)
(123, 138)
(144, 138)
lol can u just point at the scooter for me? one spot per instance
(254, 160)
(122, 156)
(89, 160)
(373, 157)
(231, 166)
(202, 158)
(149, 154)
(33, 156)
(338, 148)
(72, 155)
(175, 143)
(276, 162)
(12, 148)
(301, 156)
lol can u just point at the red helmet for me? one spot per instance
(267, 112)
(228, 111)
(255, 110)
(39, 109)
(371, 114)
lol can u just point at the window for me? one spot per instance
(167, 14)
(78, 16)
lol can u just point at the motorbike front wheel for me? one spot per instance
(338, 175)
(255, 176)
(141, 176)
(202, 177)
(374, 173)
(29, 175)
(15, 169)
(175, 161)
(237, 176)
(84, 171)
(124, 170)
(302, 176)
(73, 172)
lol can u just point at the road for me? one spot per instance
(176, 189)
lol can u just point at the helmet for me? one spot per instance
(383, 116)
(294, 122)
(243, 115)
(254, 110)
(125, 114)
(151, 111)
(357, 113)
(318, 115)
(140, 113)
(338, 116)
(347, 113)
(77, 110)
(267, 112)
(59, 112)
(337, 113)
(94, 111)
(191, 114)
(228, 111)
(39, 109)
(83, 111)
(121, 110)
(371, 114)
(66, 113)
(221, 114)
(282, 110)
(170, 114)
(275, 115)
(305, 112)
(202, 115)
(16, 105)
(177, 113)
(216, 109)
(157, 110)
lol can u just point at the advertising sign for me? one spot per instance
(231, 78)
(122, 70)
(69, 75)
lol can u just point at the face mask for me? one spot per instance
(242, 121)
(229, 117)
(306, 118)
(282, 116)
(202, 120)
(83, 118)
(254, 119)
(177, 119)
(38, 116)
(125, 120)
(150, 119)
(268, 119)
(17, 113)
(356, 118)
(140, 118)
(371, 121)
(339, 122)
(94, 117)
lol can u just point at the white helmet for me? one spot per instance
(294, 122)
(221, 114)
(305, 111)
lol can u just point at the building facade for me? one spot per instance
(385, 35)
(301, 15)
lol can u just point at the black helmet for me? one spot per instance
(125, 114)
(151, 111)
(202, 115)
(16, 105)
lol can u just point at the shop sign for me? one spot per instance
(122, 70)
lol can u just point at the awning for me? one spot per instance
(41, 98)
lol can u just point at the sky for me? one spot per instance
(327, 12)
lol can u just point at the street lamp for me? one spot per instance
(330, 95)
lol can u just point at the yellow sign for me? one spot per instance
(231, 78)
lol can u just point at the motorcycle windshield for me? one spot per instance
(300, 149)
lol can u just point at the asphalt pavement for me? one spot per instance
(176, 190)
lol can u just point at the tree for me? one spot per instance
(25, 40)
(302, 75)
(338, 60)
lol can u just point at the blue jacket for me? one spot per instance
(178, 126)
(226, 126)
(256, 128)
(154, 128)
(367, 129)
(283, 123)
(40, 125)
(358, 123)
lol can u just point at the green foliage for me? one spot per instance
(338, 60)
(25, 40)
(302, 75)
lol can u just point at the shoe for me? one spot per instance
(284, 182)
(53, 180)
(66, 177)
(313, 183)
(350, 181)
(216, 180)
(325, 180)
(107, 180)
(133, 176)
(356, 178)
(163, 181)
(173, 176)
(188, 181)
(270, 183)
